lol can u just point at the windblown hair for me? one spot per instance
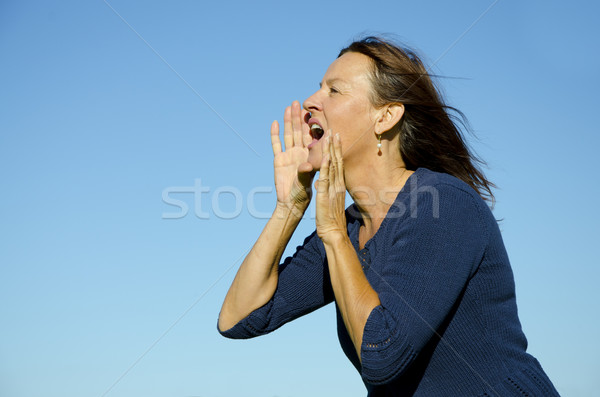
(430, 131)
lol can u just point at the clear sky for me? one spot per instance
(110, 287)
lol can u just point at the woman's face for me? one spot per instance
(343, 105)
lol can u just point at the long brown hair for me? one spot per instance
(430, 131)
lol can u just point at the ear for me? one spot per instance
(389, 116)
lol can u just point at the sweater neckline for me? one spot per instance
(359, 221)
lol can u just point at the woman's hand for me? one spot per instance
(331, 191)
(293, 173)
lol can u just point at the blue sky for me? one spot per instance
(98, 122)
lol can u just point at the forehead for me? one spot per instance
(350, 67)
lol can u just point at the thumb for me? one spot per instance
(305, 174)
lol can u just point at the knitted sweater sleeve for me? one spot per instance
(431, 252)
(303, 287)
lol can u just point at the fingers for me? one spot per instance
(297, 123)
(325, 154)
(295, 132)
(337, 158)
(306, 138)
(323, 184)
(288, 134)
(275, 141)
(332, 165)
(335, 166)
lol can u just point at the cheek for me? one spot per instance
(338, 118)
(348, 118)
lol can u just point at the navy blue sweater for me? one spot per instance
(447, 324)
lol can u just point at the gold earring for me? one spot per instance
(379, 144)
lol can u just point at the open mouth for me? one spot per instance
(316, 131)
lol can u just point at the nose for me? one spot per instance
(313, 103)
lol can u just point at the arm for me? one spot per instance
(424, 267)
(353, 293)
(257, 278)
(303, 286)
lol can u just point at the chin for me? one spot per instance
(315, 159)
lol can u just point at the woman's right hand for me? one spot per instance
(293, 172)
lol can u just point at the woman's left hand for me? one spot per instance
(331, 191)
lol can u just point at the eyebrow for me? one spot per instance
(332, 81)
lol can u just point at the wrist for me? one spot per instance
(285, 210)
(335, 238)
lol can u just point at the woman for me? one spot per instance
(416, 266)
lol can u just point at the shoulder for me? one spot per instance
(437, 220)
(424, 177)
(440, 200)
(447, 188)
